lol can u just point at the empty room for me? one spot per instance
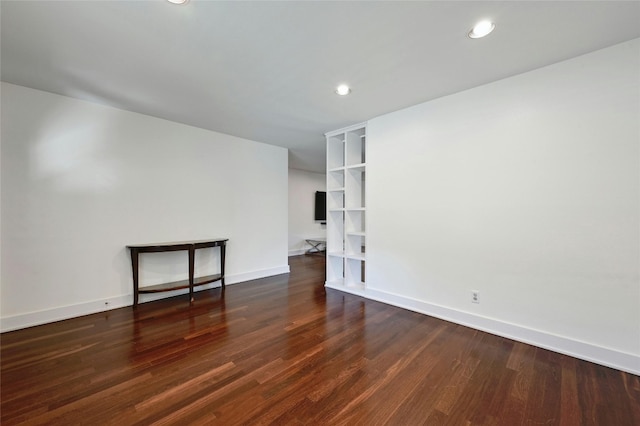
(320, 212)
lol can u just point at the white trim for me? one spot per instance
(338, 285)
(71, 311)
(346, 129)
(564, 345)
(296, 252)
(254, 275)
(63, 312)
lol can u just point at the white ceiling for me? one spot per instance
(266, 71)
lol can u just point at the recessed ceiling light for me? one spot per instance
(343, 90)
(482, 29)
(178, 1)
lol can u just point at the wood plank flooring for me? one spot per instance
(285, 351)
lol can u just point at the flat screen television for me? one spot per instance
(321, 206)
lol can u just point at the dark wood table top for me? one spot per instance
(178, 243)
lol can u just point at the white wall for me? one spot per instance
(80, 181)
(302, 189)
(526, 190)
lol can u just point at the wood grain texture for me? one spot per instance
(285, 351)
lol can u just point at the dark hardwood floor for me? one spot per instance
(285, 351)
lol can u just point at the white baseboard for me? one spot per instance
(65, 312)
(357, 290)
(254, 275)
(577, 349)
(31, 319)
(296, 252)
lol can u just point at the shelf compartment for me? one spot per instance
(335, 231)
(355, 180)
(354, 221)
(355, 146)
(355, 256)
(335, 200)
(335, 151)
(335, 180)
(354, 272)
(335, 268)
(335, 283)
(355, 246)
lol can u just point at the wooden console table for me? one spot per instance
(189, 246)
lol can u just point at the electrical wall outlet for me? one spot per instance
(475, 296)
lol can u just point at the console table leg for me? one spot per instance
(192, 262)
(222, 253)
(134, 268)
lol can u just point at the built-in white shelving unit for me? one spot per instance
(346, 207)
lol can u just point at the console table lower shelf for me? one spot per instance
(190, 247)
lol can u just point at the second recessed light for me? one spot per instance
(343, 90)
(481, 29)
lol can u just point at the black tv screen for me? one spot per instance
(321, 206)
